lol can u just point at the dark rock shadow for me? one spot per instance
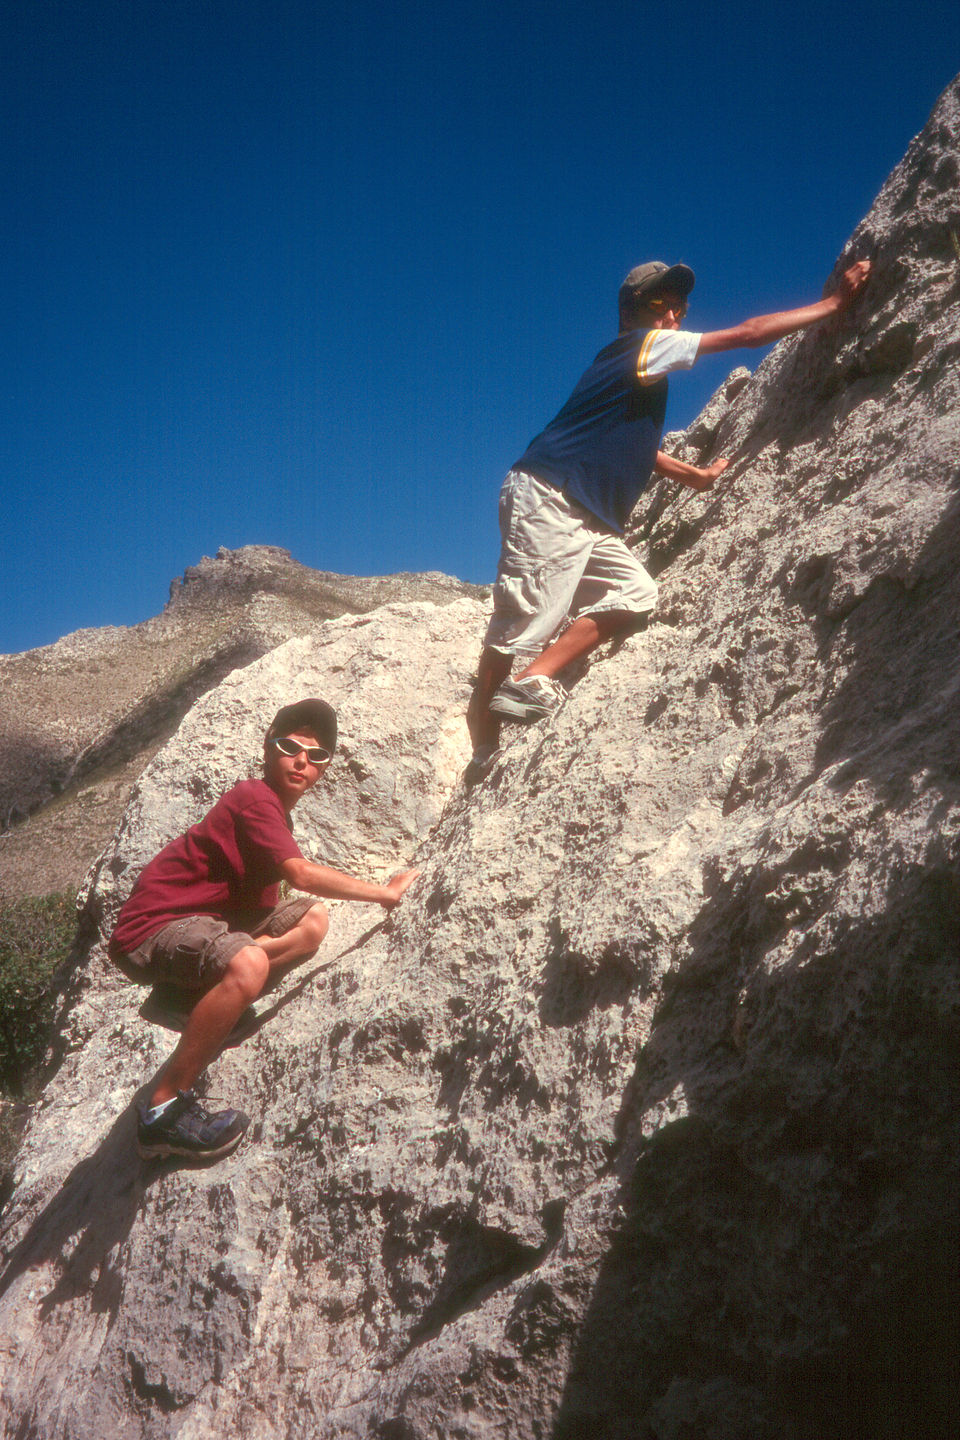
(92, 1212)
(901, 645)
(473, 1262)
(138, 734)
(785, 1262)
(573, 986)
(36, 768)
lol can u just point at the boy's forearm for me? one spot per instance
(330, 884)
(698, 479)
(673, 468)
(764, 329)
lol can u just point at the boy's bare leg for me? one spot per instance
(493, 669)
(578, 640)
(299, 941)
(286, 951)
(248, 973)
(584, 635)
(211, 1020)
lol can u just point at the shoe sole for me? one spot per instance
(526, 714)
(163, 1149)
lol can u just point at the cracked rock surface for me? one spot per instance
(637, 1119)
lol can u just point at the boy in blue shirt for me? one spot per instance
(565, 503)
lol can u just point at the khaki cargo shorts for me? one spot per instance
(195, 951)
(557, 562)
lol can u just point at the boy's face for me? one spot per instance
(667, 309)
(291, 776)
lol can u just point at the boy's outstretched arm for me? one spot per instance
(692, 475)
(763, 329)
(334, 885)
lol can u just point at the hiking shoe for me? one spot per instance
(528, 700)
(185, 1128)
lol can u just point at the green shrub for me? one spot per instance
(36, 934)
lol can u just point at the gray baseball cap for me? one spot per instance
(653, 276)
(315, 717)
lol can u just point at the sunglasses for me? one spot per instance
(314, 753)
(660, 307)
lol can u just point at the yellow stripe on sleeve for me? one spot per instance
(643, 357)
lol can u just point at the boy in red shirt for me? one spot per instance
(205, 915)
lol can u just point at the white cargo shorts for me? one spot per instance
(557, 562)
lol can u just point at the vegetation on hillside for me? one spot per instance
(36, 933)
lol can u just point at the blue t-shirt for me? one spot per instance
(600, 449)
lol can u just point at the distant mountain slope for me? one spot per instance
(79, 719)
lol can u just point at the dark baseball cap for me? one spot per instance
(653, 277)
(310, 717)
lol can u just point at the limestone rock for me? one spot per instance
(399, 680)
(638, 1117)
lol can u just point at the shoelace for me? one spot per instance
(201, 1102)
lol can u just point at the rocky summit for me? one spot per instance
(637, 1119)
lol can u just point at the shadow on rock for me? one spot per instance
(898, 647)
(783, 1265)
(89, 1216)
(575, 985)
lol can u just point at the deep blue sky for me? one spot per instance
(312, 275)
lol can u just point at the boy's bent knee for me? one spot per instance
(247, 969)
(315, 924)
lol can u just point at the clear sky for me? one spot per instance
(312, 275)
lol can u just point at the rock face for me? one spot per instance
(80, 719)
(636, 1120)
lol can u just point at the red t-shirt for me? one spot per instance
(228, 865)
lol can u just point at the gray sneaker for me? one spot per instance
(533, 698)
(185, 1128)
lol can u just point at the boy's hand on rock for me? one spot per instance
(398, 886)
(714, 471)
(708, 473)
(852, 281)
